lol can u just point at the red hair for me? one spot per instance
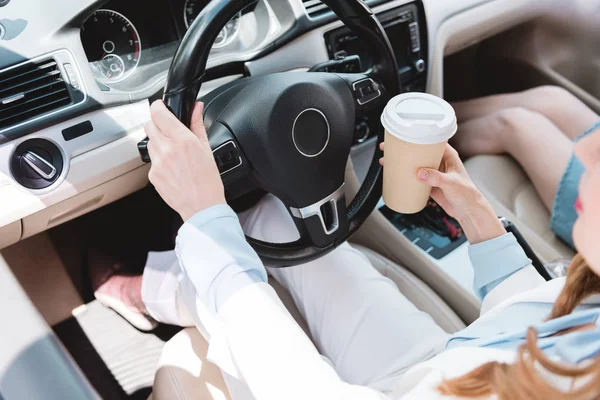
(521, 380)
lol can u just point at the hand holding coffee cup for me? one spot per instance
(455, 192)
(417, 129)
(452, 188)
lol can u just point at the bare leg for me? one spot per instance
(566, 111)
(533, 140)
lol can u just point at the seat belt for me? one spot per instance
(535, 261)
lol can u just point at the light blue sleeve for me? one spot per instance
(214, 254)
(494, 261)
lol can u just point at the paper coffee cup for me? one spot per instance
(417, 129)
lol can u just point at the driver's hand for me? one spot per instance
(183, 168)
(455, 192)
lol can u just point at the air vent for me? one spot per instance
(31, 90)
(316, 8)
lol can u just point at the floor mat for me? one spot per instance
(118, 360)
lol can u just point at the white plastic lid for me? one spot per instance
(419, 118)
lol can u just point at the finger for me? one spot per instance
(451, 156)
(453, 160)
(444, 166)
(167, 123)
(438, 195)
(381, 162)
(197, 124)
(458, 162)
(382, 146)
(431, 177)
(152, 152)
(154, 134)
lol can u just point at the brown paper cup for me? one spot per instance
(417, 129)
(402, 190)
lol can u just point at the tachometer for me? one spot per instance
(191, 10)
(112, 45)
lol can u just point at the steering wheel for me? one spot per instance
(290, 133)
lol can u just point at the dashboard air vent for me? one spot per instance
(31, 90)
(316, 8)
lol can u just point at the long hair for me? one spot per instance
(521, 380)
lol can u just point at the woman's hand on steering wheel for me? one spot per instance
(183, 171)
(456, 193)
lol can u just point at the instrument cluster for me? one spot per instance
(128, 44)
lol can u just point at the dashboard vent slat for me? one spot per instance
(25, 85)
(40, 109)
(316, 8)
(31, 90)
(22, 75)
(20, 106)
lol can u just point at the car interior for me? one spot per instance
(76, 81)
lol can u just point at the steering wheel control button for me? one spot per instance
(227, 157)
(36, 164)
(311, 132)
(366, 91)
(77, 130)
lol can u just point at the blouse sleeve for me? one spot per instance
(496, 262)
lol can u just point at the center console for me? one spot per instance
(432, 230)
(406, 28)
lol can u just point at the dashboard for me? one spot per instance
(77, 76)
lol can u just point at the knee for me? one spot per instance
(550, 92)
(550, 98)
(516, 124)
(513, 119)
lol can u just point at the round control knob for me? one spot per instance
(420, 65)
(362, 132)
(36, 164)
(4, 2)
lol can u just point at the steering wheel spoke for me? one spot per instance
(323, 222)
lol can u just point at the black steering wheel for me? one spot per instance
(290, 133)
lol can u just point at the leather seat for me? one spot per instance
(506, 186)
(184, 372)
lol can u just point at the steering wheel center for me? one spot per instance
(311, 132)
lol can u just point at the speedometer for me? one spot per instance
(112, 45)
(191, 10)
